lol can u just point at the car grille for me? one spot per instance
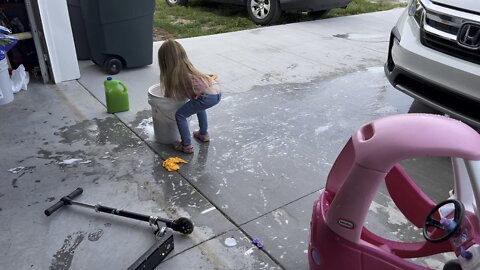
(451, 29)
(440, 33)
(450, 47)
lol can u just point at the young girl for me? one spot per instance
(180, 80)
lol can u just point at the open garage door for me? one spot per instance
(52, 34)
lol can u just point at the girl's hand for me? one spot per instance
(213, 76)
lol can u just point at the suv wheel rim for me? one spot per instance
(260, 8)
(172, 2)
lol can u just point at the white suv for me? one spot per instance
(434, 56)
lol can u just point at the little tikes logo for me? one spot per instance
(346, 223)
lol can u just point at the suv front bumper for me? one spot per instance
(443, 82)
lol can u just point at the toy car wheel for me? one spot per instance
(177, 2)
(452, 265)
(264, 12)
(112, 65)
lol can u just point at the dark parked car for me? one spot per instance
(267, 12)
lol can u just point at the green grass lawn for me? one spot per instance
(202, 17)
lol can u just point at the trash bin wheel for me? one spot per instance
(112, 65)
(177, 2)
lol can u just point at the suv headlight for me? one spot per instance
(417, 11)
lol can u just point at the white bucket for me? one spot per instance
(163, 115)
(6, 95)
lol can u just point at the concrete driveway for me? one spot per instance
(292, 95)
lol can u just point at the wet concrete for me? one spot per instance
(110, 163)
(277, 143)
(275, 135)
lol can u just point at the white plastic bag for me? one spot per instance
(20, 79)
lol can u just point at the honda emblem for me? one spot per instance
(469, 36)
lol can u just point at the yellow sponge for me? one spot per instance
(171, 164)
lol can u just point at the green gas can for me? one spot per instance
(116, 95)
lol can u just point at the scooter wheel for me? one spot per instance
(112, 65)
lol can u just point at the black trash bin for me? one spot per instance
(120, 32)
(78, 30)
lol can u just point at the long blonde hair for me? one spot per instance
(176, 71)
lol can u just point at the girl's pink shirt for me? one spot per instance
(202, 87)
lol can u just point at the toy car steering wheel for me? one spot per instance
(446, 225)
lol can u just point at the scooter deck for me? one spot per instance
(155, 254)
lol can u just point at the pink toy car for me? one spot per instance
(338, 238)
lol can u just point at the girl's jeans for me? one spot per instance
(195, 106)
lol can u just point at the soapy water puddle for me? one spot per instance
(296, 115)
(89, 143)
(100, 132)
(372, 38)
(64, 256)
(146, 126)
(94, 236)
(19, 172)
(75, 160)
(19, 169)
(143, 124)
(230, 242)
(16, 170)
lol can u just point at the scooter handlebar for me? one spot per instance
(67, 200)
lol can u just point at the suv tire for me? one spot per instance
(264, 12)
(420, 107)
(172, 3)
